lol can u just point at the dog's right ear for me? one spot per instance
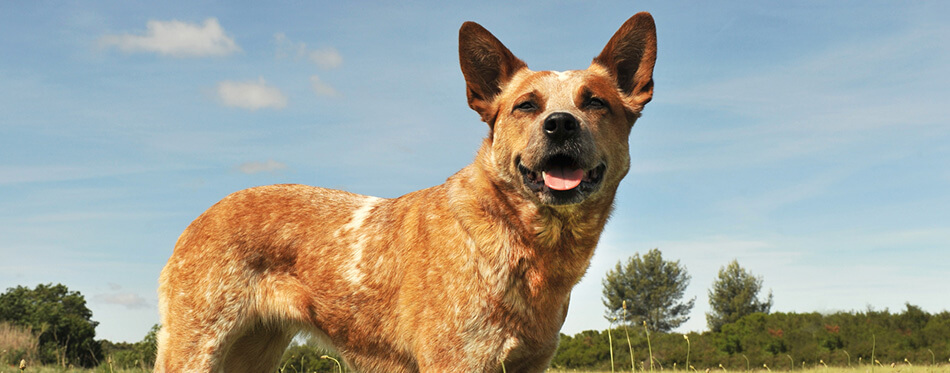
(487, 66)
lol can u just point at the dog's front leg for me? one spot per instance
(459, 360)
(441, 350)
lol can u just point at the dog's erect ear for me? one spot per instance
(487, 66)
(629, 57)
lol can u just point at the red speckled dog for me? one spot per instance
(466, 276)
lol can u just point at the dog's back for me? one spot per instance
(244, 272)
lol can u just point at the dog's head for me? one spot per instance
(559, 138)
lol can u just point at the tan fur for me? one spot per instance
(460, 277)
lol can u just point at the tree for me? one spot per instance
(60, 318)
(587, 349)
(734, 294)
(653, 290)
(124, 355)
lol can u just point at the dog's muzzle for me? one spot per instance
(566, 172)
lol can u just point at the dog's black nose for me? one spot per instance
(560, 126)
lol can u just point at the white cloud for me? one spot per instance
(251, 95)
(321, 88)
(258, 167)
(177, 39)
(326, 58)
(127, 299)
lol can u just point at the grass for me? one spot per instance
(901, 369)
(56, 369)
(898, 368)
(904, 366)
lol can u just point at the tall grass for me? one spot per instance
(686, 336)
(873, 344)
(340, 367)
(649, 346)
(610, 341)
(17, 343)
(633, 366)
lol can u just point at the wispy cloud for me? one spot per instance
(767, 201)
(118, 297)
(321, 88)
(10, 175)
(824, 103)
(843, 78)
(287, 48)
(325, 58)
(176, 39)
(251, 95)
(259, 167)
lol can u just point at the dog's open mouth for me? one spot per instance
(560, 179)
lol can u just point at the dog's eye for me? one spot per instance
(526, 106)
(595, 103)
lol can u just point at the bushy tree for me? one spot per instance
(125, 355)
(734, 294)
(587, 349)
(653, 290)
(60, 318)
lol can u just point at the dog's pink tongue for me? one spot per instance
(563, 178)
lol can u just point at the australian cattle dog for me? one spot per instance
(473, 275)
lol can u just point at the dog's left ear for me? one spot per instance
(487, 66)
(629, 57)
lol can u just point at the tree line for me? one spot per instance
(644, 300)
(779, 341)
(643, 297)
(51, 325)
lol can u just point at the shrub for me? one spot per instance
(17, 343)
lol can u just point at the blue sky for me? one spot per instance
(809, 140)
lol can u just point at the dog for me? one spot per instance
(473, 275)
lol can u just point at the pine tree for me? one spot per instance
(735, 294)
(653, 289)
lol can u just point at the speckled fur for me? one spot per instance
(460, 277)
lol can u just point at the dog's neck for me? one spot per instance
(550, 246)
